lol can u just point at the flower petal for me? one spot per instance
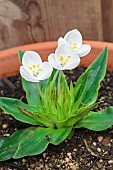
(74, 39)
(30, 58)
(46, 71)
(62, 50)
(27, 76)
(73, 62)
(84, 50)
(69, 58)
(53, 62)
(61, 41)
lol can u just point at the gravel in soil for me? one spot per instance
(86, 150)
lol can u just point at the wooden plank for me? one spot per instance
(107, 19)
(30, 21)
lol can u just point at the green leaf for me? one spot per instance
(32, 94)
(83, 111)
(31, 141)
(63, 80)
(97, 120)
(73, 119)
(80, 85)
(9, 145)
(98, 70)
(78, 92)
(25, 113)
(41, 118)
(10, 107)
(20, 54)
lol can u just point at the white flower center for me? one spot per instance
(35, 69)
(64, 60)
(73, 46)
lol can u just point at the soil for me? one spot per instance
(86, 150)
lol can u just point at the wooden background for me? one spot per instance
(30, 21)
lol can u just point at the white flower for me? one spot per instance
(33, 68)
(64, 58)
(74, 40)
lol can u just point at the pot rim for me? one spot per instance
(9, 62)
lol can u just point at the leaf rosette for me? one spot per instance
(53, 108)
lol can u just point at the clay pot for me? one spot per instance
(9, 62)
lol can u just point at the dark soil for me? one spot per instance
(86, 150)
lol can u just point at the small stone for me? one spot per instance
(44, 155)
(88, 164)
(94, 143)
(69, 154)
(50, 164)
(75, 150)
(98, 149)
(53, 158)
(101, 160)
(37, 163)
(37, 168)
(32, 166)
(70, 164)
(41, 166)
(109, 144)
(67, 159)
(100, 138)
(57, 166)
(99, 165)
(110, 162)
(2, 92)
(70, 157)
(23, 160)
(105, 153)
(111, 140)
(7, 134)
(4, 126)
(106, 141)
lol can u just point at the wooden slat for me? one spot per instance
(30, 21)
(107, 20)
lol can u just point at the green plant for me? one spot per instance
(55, 109)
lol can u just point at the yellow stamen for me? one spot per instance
(70, 42)
(30, 68)
(35, 69)
(34, 66)
(74, 46)
(61, 58)
(64, 62)
(69, 56)
(39, 70)
(38, 65)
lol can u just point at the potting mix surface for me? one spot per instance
(86, 150)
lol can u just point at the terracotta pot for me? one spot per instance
(9, 62)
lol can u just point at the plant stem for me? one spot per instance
(59, 78)
(54, 78)
(40, 92)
